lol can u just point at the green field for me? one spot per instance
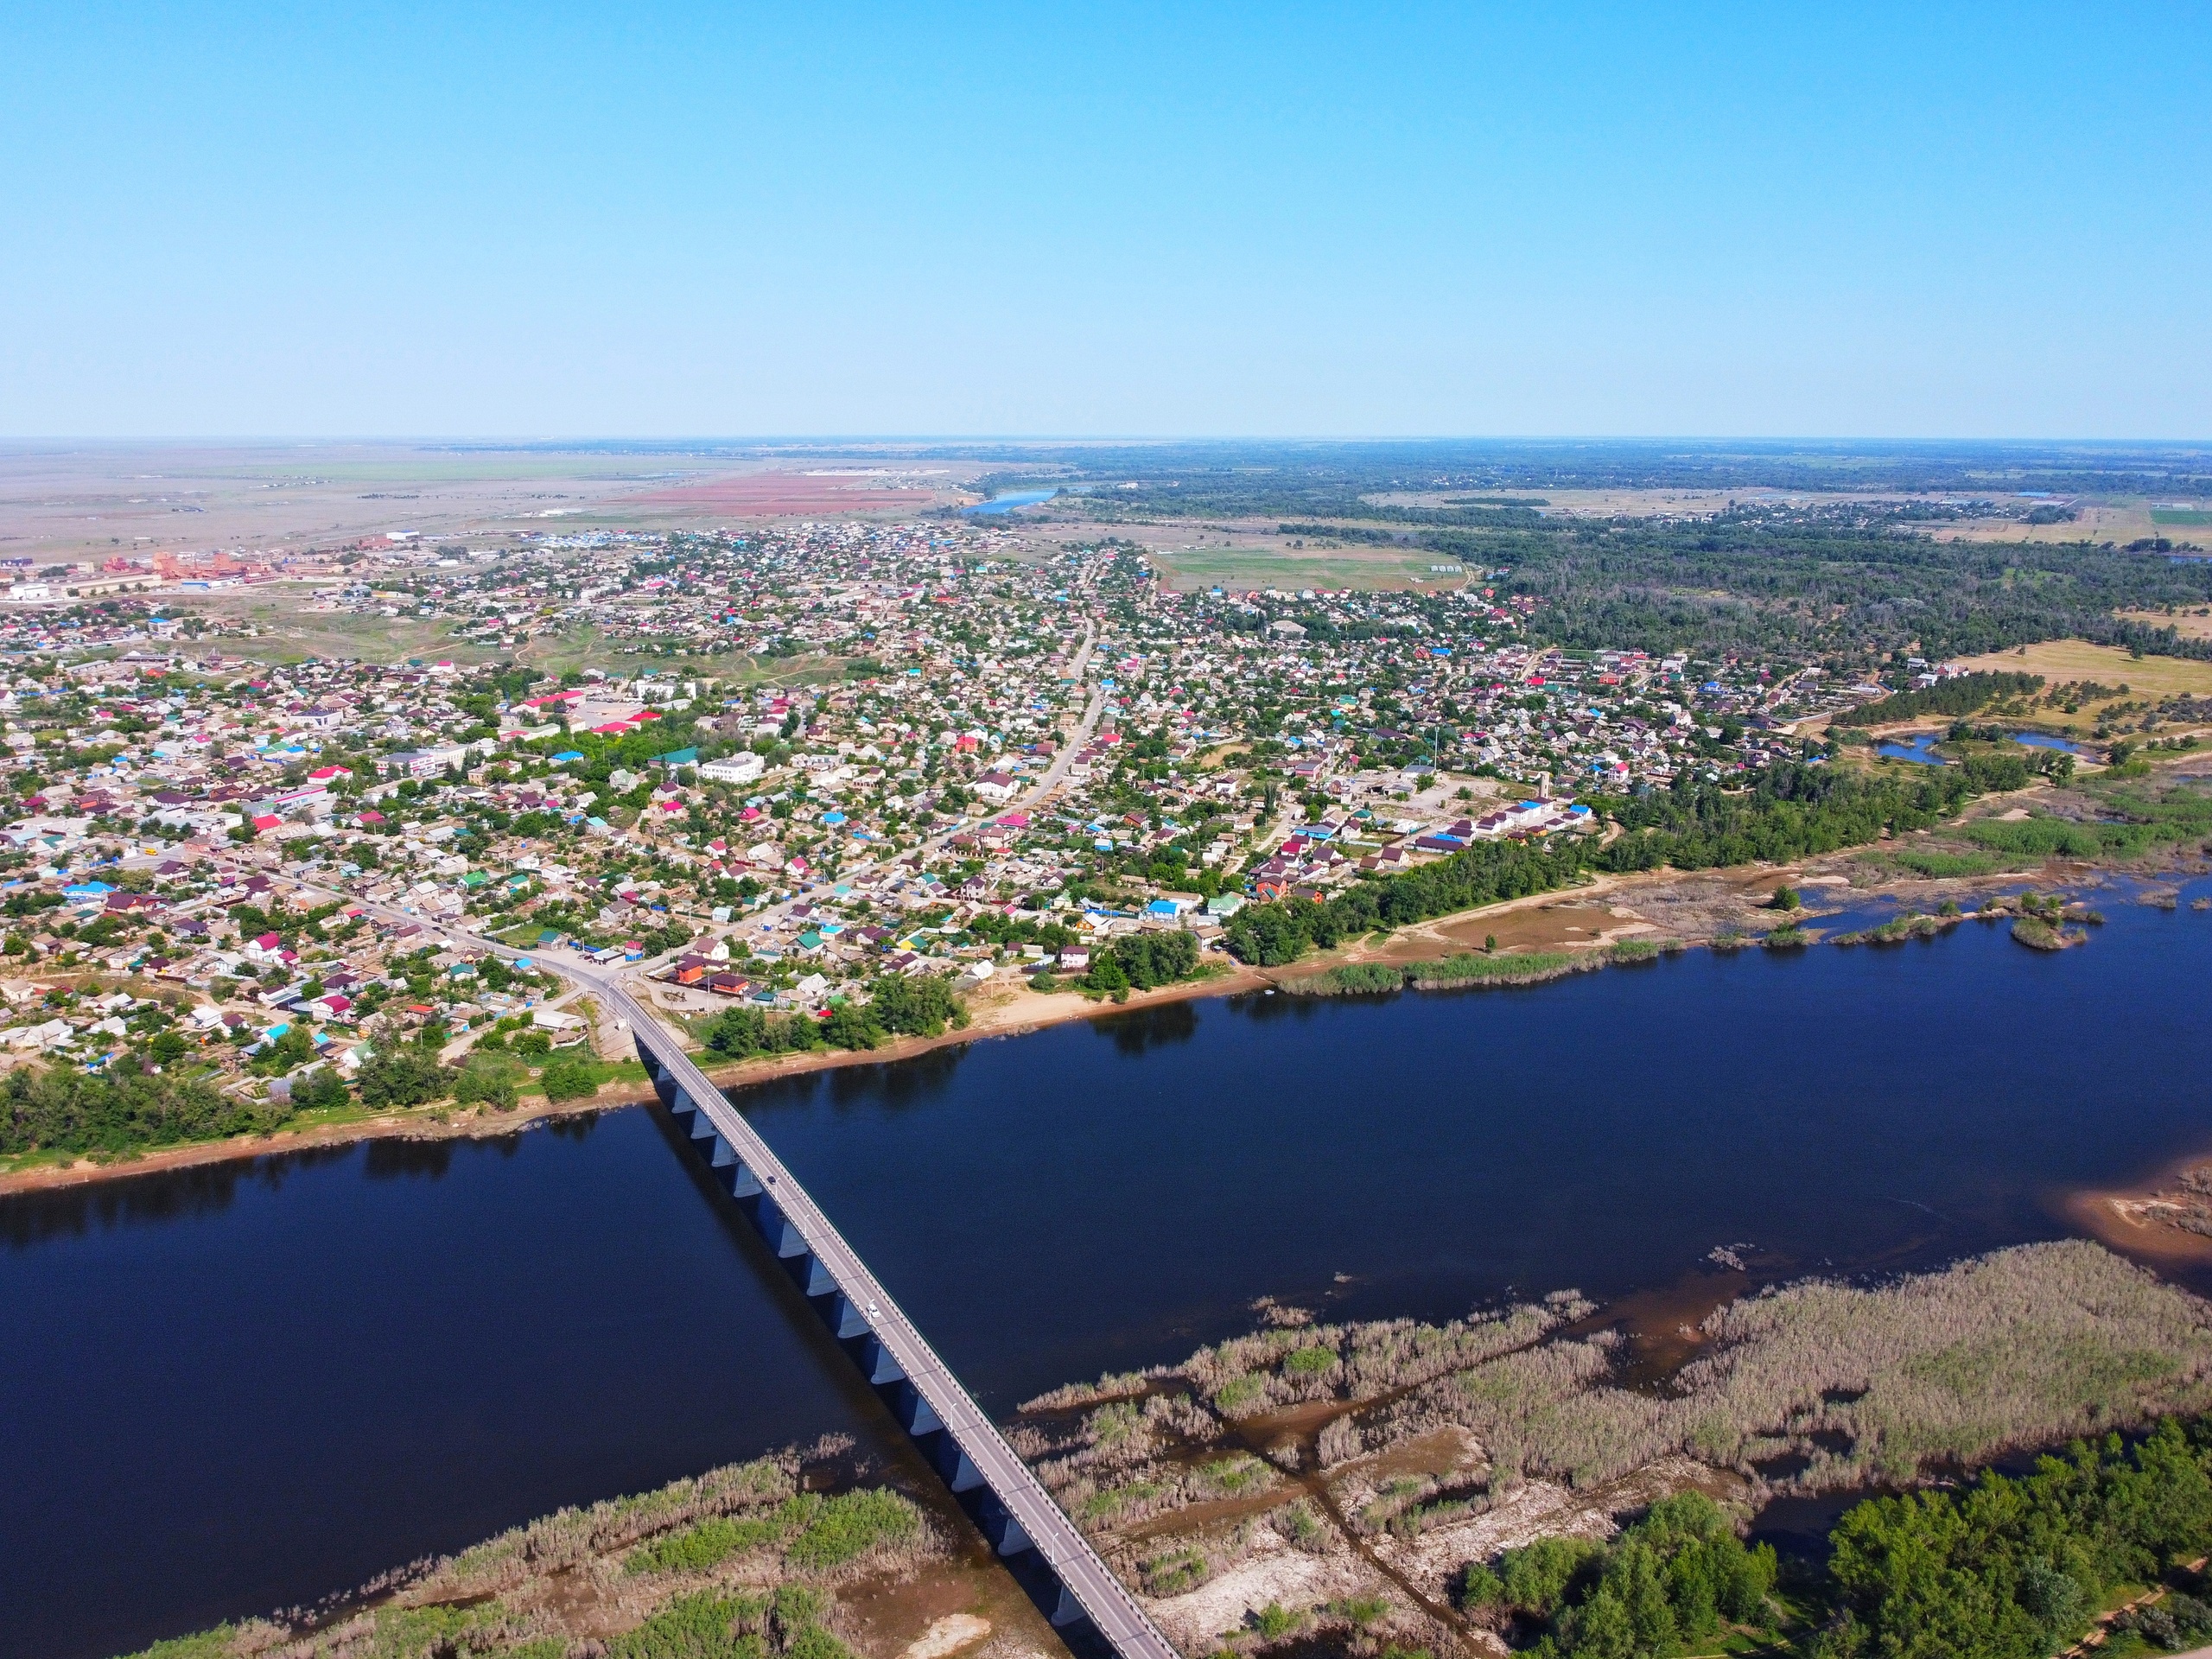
(2185, 518)
(1282, 567)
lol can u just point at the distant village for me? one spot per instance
(840, 752)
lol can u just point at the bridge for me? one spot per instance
(964, 1445)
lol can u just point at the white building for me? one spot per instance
(742, 768)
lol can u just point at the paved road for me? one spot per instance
(1087, 1578)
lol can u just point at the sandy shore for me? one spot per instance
(2143, 1221)
(1013, 1012)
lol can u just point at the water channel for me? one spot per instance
(236, 1389)
(1009, 502)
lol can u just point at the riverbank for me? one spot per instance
(1607, 918)
(1571, 931)
(2167, 1219)
(1307, 1467)
(815, 1553)
(1014, 1011)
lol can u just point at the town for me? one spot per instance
(951, 753)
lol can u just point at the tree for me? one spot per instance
(318, 1090)
(402, 1078)
(1106, 975)
(849, 1027)
(572, 1077)
(918, 1006)
(486, 1081)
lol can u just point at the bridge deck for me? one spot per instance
(1037, 1522)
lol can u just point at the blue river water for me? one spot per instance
(1920, 747)
(241, 1388)
(1009, 502)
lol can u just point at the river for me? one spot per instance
(232, 1389)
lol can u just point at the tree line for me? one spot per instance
(1963, 694)
(2007, 1567)
(922, 1006)
(1789, 810)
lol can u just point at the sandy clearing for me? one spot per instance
(948, 1636)
(1276, 1572)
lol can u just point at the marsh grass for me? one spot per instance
(2023, 1347)
(1371, 978)
(2039, 935)
(1840, 1385)
(650, 1576)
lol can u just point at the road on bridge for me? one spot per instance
(1102, 1596)
(1078, 1567)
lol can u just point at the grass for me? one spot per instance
(2023, 1347)
(1105, 1505)
(2042, 935)
(1171, 1573)
(851, 1525)
(710, 1543)
(1853, 1384)
(726, 1521)
(290, 633)
(1899, 929)
(1293, 569)
(1939, 866)
(2067, 661)
(1235, 1475)
(1368, 978)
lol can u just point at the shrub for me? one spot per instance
(1274, 1621)
(1174, 1573)
(491, 1085)
(702, 1626)
(569, 1077)
(1480, 1587)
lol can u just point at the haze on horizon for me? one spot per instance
(683, 221)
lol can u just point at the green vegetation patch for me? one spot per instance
(850, 1525)
(707, 1625)
(1367, 978)
(1173, 1574)
(1944, 865)
(711, 1542)
(1676, 1577)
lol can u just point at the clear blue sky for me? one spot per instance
(672, 220)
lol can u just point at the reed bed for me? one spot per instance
(737, 1556)
(1809, 1387)
(1372, 978)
